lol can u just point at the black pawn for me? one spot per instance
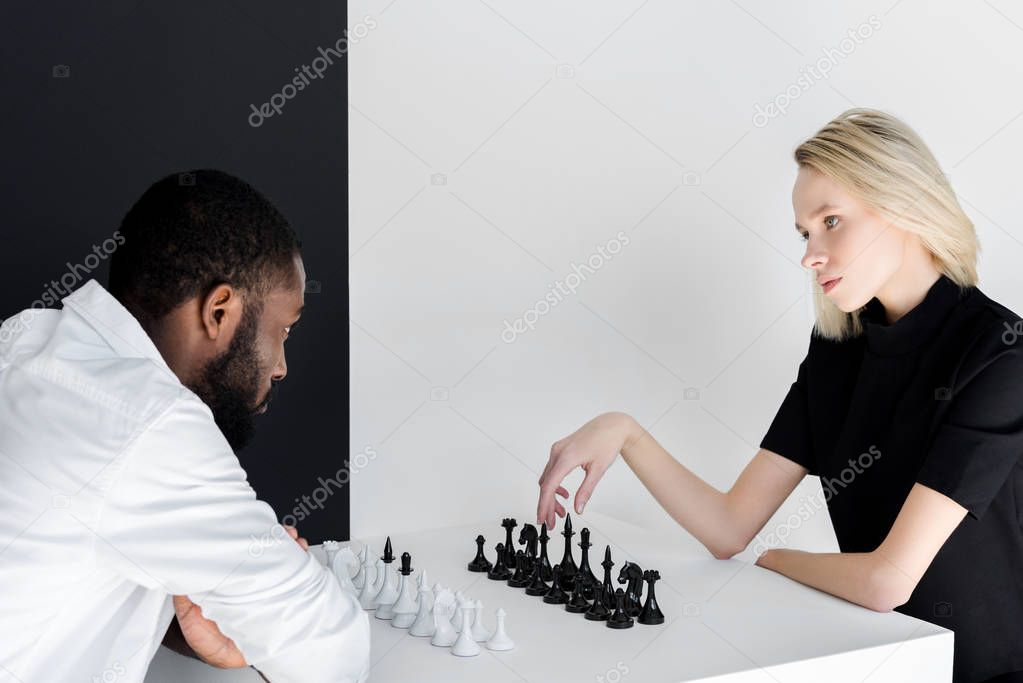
(406, 564)
(500, 572)
(651, 613)
(609, 589)
(620, 619)
(556, 595)
(598, 610)
(537, 586)
(546, 571)
(578, 603)
(388, 556)
(480, 563)
(589, 580)
(521, 577)
(509, 523)
(568, 568)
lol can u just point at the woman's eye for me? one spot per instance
(828, 218)
(804, 236)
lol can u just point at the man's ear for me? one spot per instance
(221, 311)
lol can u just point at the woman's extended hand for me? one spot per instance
(593, 447)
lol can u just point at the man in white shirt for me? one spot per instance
(120, 416)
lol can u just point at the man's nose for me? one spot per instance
(281, 369)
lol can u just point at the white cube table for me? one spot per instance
(725, 621)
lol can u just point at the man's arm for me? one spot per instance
(180, 517)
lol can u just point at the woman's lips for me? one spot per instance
(828, 286)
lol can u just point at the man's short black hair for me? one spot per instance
(192, 231)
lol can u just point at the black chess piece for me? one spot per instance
(589, 580)
(651, 613)
(500, 572)
(556, 595)
(522, 571)
(633, 574)
(480, 563)
(388, 556)
(567, 564)
(609, 589)
(509, 523)
(577, 604)
(620, 618)
(546, 571)
(537, 586)
(406, 564)
(527, 537)
(598, 610)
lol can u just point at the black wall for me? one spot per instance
(152, 88)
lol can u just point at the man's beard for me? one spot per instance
(229, 384)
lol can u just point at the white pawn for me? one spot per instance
(478, 631)
(456, 617)
(444, 634)
(500, 639)
(420, 583)
(403, 612)
(424, 624)
(360, 577)
(465, 646)
(388, 592)
(369, 591)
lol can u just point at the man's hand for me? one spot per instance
(205, 639)
(202, 634)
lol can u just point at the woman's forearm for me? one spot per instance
(849, 576)
(696, 505)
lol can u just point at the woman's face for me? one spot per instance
(844, 239)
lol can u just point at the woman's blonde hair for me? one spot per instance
(882, 162)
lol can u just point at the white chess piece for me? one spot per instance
(368, 591)
(388, 591)
(360, 577)
(456, 618)
(465, 646)
(444, 633)
(339, 568)
(403, 612)
(420, 582)
(479, 632)
(330, 549)
(424, 625)
(500, 639)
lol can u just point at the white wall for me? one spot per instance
(494, 144)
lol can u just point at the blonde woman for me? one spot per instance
(908, 406)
